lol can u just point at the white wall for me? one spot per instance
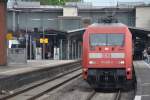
(70, 11)
(143, 17)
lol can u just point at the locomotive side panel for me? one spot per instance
(128, 59)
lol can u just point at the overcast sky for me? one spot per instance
(112, 2)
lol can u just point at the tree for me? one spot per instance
(56, 2)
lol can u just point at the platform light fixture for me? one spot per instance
(50, 19)
(148, 35)
(36, 19)
(137, 38)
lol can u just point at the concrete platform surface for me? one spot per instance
(30, 66)
(142, 70)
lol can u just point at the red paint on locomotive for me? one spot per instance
(107, 47)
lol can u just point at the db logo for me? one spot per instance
(106, 55)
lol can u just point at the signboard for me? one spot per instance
(44, 40)
(41, 40)
(9, 36)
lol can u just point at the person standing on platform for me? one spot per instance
(148, 54)
(145, 55)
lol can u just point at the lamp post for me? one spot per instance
(61, 49)
(26, 36)
(43, 44)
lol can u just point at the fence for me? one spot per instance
(16, 56)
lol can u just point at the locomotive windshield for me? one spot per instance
(106, 39)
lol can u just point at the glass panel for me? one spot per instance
(106, 39)
(98, 39)
(115, 39)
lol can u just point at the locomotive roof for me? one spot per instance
(107, 25)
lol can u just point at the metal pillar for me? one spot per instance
(43, 45)
(72, 51)
(3, 31)
(75, 50)
(78, 50)
(30, 47)
(68, 54)
(81, 50)
(26, 35)
(14, 21)
(18, 22)
(61, 49)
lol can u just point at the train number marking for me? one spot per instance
(106, 55)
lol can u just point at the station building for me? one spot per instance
(31, 21)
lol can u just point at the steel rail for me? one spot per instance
(40, 84)
(118, 95)
(91, 95)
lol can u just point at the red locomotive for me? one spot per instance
(107, 56)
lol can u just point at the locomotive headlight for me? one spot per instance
(84, 69)
(128, 69)
(92, 62)
(121, 62)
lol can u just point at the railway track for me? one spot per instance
(104, 96)
(118, 95)
(37, 90)
(91, 95)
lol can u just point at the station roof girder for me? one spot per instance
(76, 34)
(140, 32)
(136, 32)
(3, 0)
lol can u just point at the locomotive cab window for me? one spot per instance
(107, 39)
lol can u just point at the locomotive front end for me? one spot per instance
(107, 57)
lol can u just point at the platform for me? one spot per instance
(142, 70)
(30, 66)
(17, 75)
